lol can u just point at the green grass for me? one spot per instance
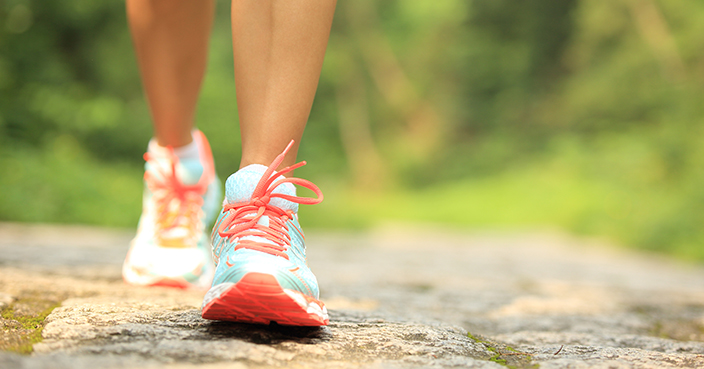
(64, 185)
(539, 196)
(618, 190)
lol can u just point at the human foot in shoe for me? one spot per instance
(262, 275)
(181, 196)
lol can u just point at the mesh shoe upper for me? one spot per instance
(258, 229)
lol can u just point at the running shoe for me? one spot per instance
(171, 246)
(262, 275)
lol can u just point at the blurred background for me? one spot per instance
(581, 115)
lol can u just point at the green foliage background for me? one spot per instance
(579, 114)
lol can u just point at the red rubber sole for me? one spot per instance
(172, 283)
(258, 298)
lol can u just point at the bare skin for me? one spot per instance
(278, 45)
(171, 42)
(278, 50)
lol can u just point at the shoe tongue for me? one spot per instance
(188, 171)
(240, 186)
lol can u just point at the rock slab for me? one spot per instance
(398, 298)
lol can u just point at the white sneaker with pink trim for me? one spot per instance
(181, 198)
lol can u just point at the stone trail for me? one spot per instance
(397, 299)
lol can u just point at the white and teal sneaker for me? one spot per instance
(180, 199)
(258, 245)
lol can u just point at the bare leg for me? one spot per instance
(171, 42)
(279, 47)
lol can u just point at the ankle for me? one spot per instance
(190, 151)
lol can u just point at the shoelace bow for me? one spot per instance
(167, 188)
(243, 218)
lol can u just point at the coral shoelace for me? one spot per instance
(243, 218)
(177, 204)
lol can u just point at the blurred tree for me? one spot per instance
(414, 93)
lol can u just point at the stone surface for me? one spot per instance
(398, 298)
(5, 300)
